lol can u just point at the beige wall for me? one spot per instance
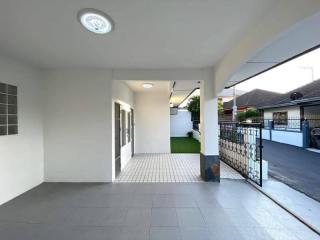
(152, 117)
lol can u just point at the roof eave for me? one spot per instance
(291, 103)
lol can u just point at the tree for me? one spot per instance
(194, 107)
(220, 106)
(250, 113)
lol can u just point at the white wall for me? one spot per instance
(78, 126)
(152, 117)
(288, 137)
(21, 156)
(180, 124)
(293, 112)
(293, 116)
(209, 127)
(196, 135)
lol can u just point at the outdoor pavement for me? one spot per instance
(294, 166)
(168, 168)
(296, 202)
(230, 210)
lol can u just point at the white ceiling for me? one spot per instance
(182, 89)
(158, 86)
(150, 34)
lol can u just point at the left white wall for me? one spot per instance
(21, 156)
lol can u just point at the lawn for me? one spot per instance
(184, 145)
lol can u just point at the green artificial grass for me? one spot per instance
(184, 145)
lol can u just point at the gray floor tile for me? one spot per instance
(96, 216)
(174, 200)
(134, 233)
(229, 210)
(165, 233)
(138, 217)
(89, 233)
(190, 217)
(164, 217)
(33, 214)
(25, 231)
(195, 233)
(225, 233)
(216, 217)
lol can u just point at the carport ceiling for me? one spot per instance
(181, 90)
(300, 38)
(157, 86)
(148, 34)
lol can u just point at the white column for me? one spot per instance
(209, 156)
(209, 118)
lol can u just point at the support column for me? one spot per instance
(209, 156)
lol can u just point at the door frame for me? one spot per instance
(132, 132)
(117, 140)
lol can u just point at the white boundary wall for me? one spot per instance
(196, 135)
(180, 123)
(289, 137)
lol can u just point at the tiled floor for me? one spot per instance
(230, 210)
(168, 168)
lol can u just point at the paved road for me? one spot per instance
(294, 166)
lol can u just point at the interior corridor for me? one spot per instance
(168, 168)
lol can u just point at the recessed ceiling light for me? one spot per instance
(147, 85)
(95, 21)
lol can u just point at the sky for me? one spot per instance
(288, 76)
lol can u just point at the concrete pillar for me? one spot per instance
(209, 156)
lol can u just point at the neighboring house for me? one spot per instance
(253, 99)
(290, 108)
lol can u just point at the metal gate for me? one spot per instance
(240, 146)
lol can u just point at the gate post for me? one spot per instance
(271, 127)
(306, 134)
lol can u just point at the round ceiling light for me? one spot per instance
(95, 21)
(147, 85)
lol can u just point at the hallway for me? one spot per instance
(168, 168)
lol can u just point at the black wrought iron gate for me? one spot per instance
(240, 146)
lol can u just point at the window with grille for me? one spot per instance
(8, 109)
(280, 118)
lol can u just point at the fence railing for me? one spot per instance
(292, 123)
(240, 146)
(195, 124)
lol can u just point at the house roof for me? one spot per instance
(310, 93)
(255, 98)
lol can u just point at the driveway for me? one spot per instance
(294, 166)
